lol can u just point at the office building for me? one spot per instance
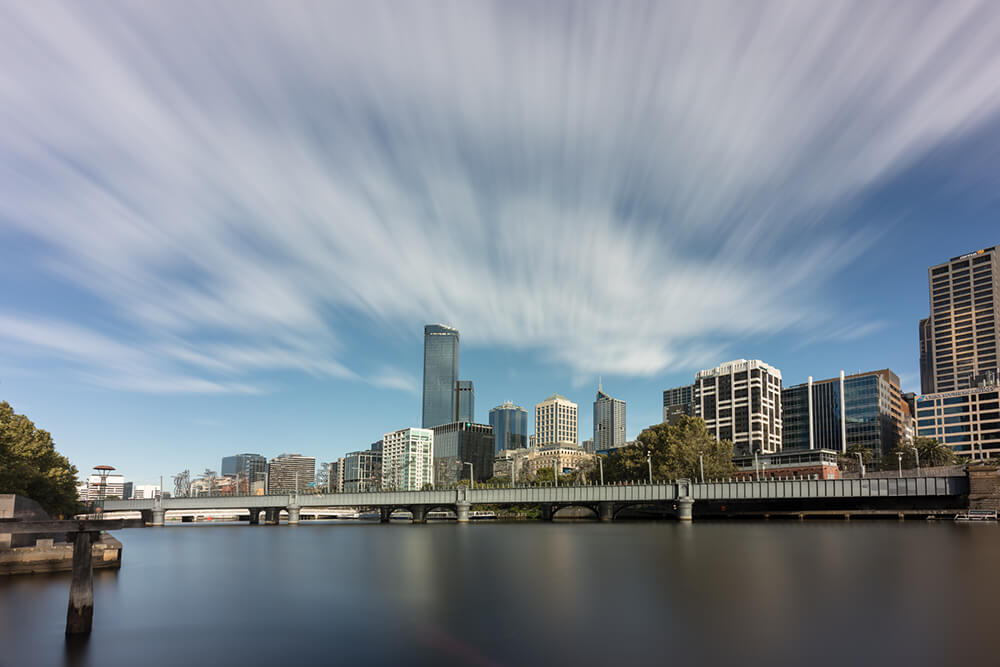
(609, 422)
(678, 401)
(100, 487)
(144, 491)
(510, 426)
(863, 409)
(588, 445)
(407, 459)
(926, 356)
(363, 469)
(556, 422)
(336, 476)
(459, 444)
(967, 420)
(128, 489)
(248, 469)
(965, 309)
(289, 473)
(465, 394)
(800, 464)
(563, 458)
(740, 401)
(440, 375)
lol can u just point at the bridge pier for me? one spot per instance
(384, 513)
(272, 516)
(547, 512)
(684, 508)
(157, 517)
(419, 513)
(147, 517)
(254, 517)
(606, 511)
(462, 511)
(293, 515)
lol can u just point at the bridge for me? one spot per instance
(606, 501)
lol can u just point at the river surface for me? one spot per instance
(767, 593)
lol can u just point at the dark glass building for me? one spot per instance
(926, 356)
(466, 396)
(251, 467)
(510, 426)
(678, 401)
(845, 411)
(363, 469)
(459, 443)
(440, 375)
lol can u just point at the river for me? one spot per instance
(709, 593)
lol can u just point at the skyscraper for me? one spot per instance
(609, 422)
(965, 309)
(466, 397)
(677, 402)
(440, 375)
(290, 472)
(248, 468)
(461, 443)
(926, 356)
(741, 401)
(510, 426)
(407, 459)
(556, 422)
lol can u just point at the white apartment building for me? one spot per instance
(741, 401)
(100, 486)
(556, 422)
(141, 491)
(408, 459)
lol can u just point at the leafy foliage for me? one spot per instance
(932, 454)
(674, 449)
(849, 461)
(30, 465)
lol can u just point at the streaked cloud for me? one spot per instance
(619, 188)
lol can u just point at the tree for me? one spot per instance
(30, 465)
(934, 453)
(849, 460)
(675, 450)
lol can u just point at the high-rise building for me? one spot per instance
(967, 420)
(363, 469)
(408, 459)
(609, 422)
(926, 356)
(336, 476)
(465, 395)
(865, 409)
(102, 487)
(677, 402)
(741, 401)
(290, 472)
(461, 443)
(556, 422)
(440, 375)
(510, 426)
(965, 309)
(249, 469)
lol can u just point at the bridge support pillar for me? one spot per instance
(419, 514)
(606, 511)
(293, 515)
(254, 517)
(462, 510)
(147, 517)
(272, 515)
(157, 517)
(80, 613)
(384, 513)
(684, 508)
(547, 512)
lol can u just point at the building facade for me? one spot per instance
(465, 395)
(965, 308)
(363, 470)
(290, 472)
(741, 401)
(102, 487)
(510, 426)
(802, 464)
(609, 422)
(562, 458)
(926, 356)
(556, 422)
(336, 480)
(864, 409)
(461, 443)
(677, 402)
(407, 459)
(249, 469)
(440, 375)
(967, 420)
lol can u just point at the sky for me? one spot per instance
(223, 225)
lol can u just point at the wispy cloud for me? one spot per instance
(609, 185)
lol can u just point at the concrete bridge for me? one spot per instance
(605, 501)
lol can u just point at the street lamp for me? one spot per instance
(600, 462)
(701, 466)
(900, 456)
(917, 454)
(649, 461)
(756, 466)
(861, 464)
(472, 477)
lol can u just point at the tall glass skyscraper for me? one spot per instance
(609, 422)
(440, 375)
(510, 426)
(466, 397)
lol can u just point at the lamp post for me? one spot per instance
(701, 466)
(600, 462)
(899, 455)
(649, 461)
(472, 476)
(555, 470)
(917, 454)
(756, 467)
(861, 464)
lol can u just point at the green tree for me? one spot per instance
(30, 465)
(849, 460)
(675, 450)
(934, 453)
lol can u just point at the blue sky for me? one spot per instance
(223, 226)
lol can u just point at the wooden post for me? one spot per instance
(80, 615)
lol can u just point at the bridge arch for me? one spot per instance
(556, 508)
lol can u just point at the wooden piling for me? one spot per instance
(80, 614)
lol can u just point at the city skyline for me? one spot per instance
(210, 247)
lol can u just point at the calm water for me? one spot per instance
(514, 594)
